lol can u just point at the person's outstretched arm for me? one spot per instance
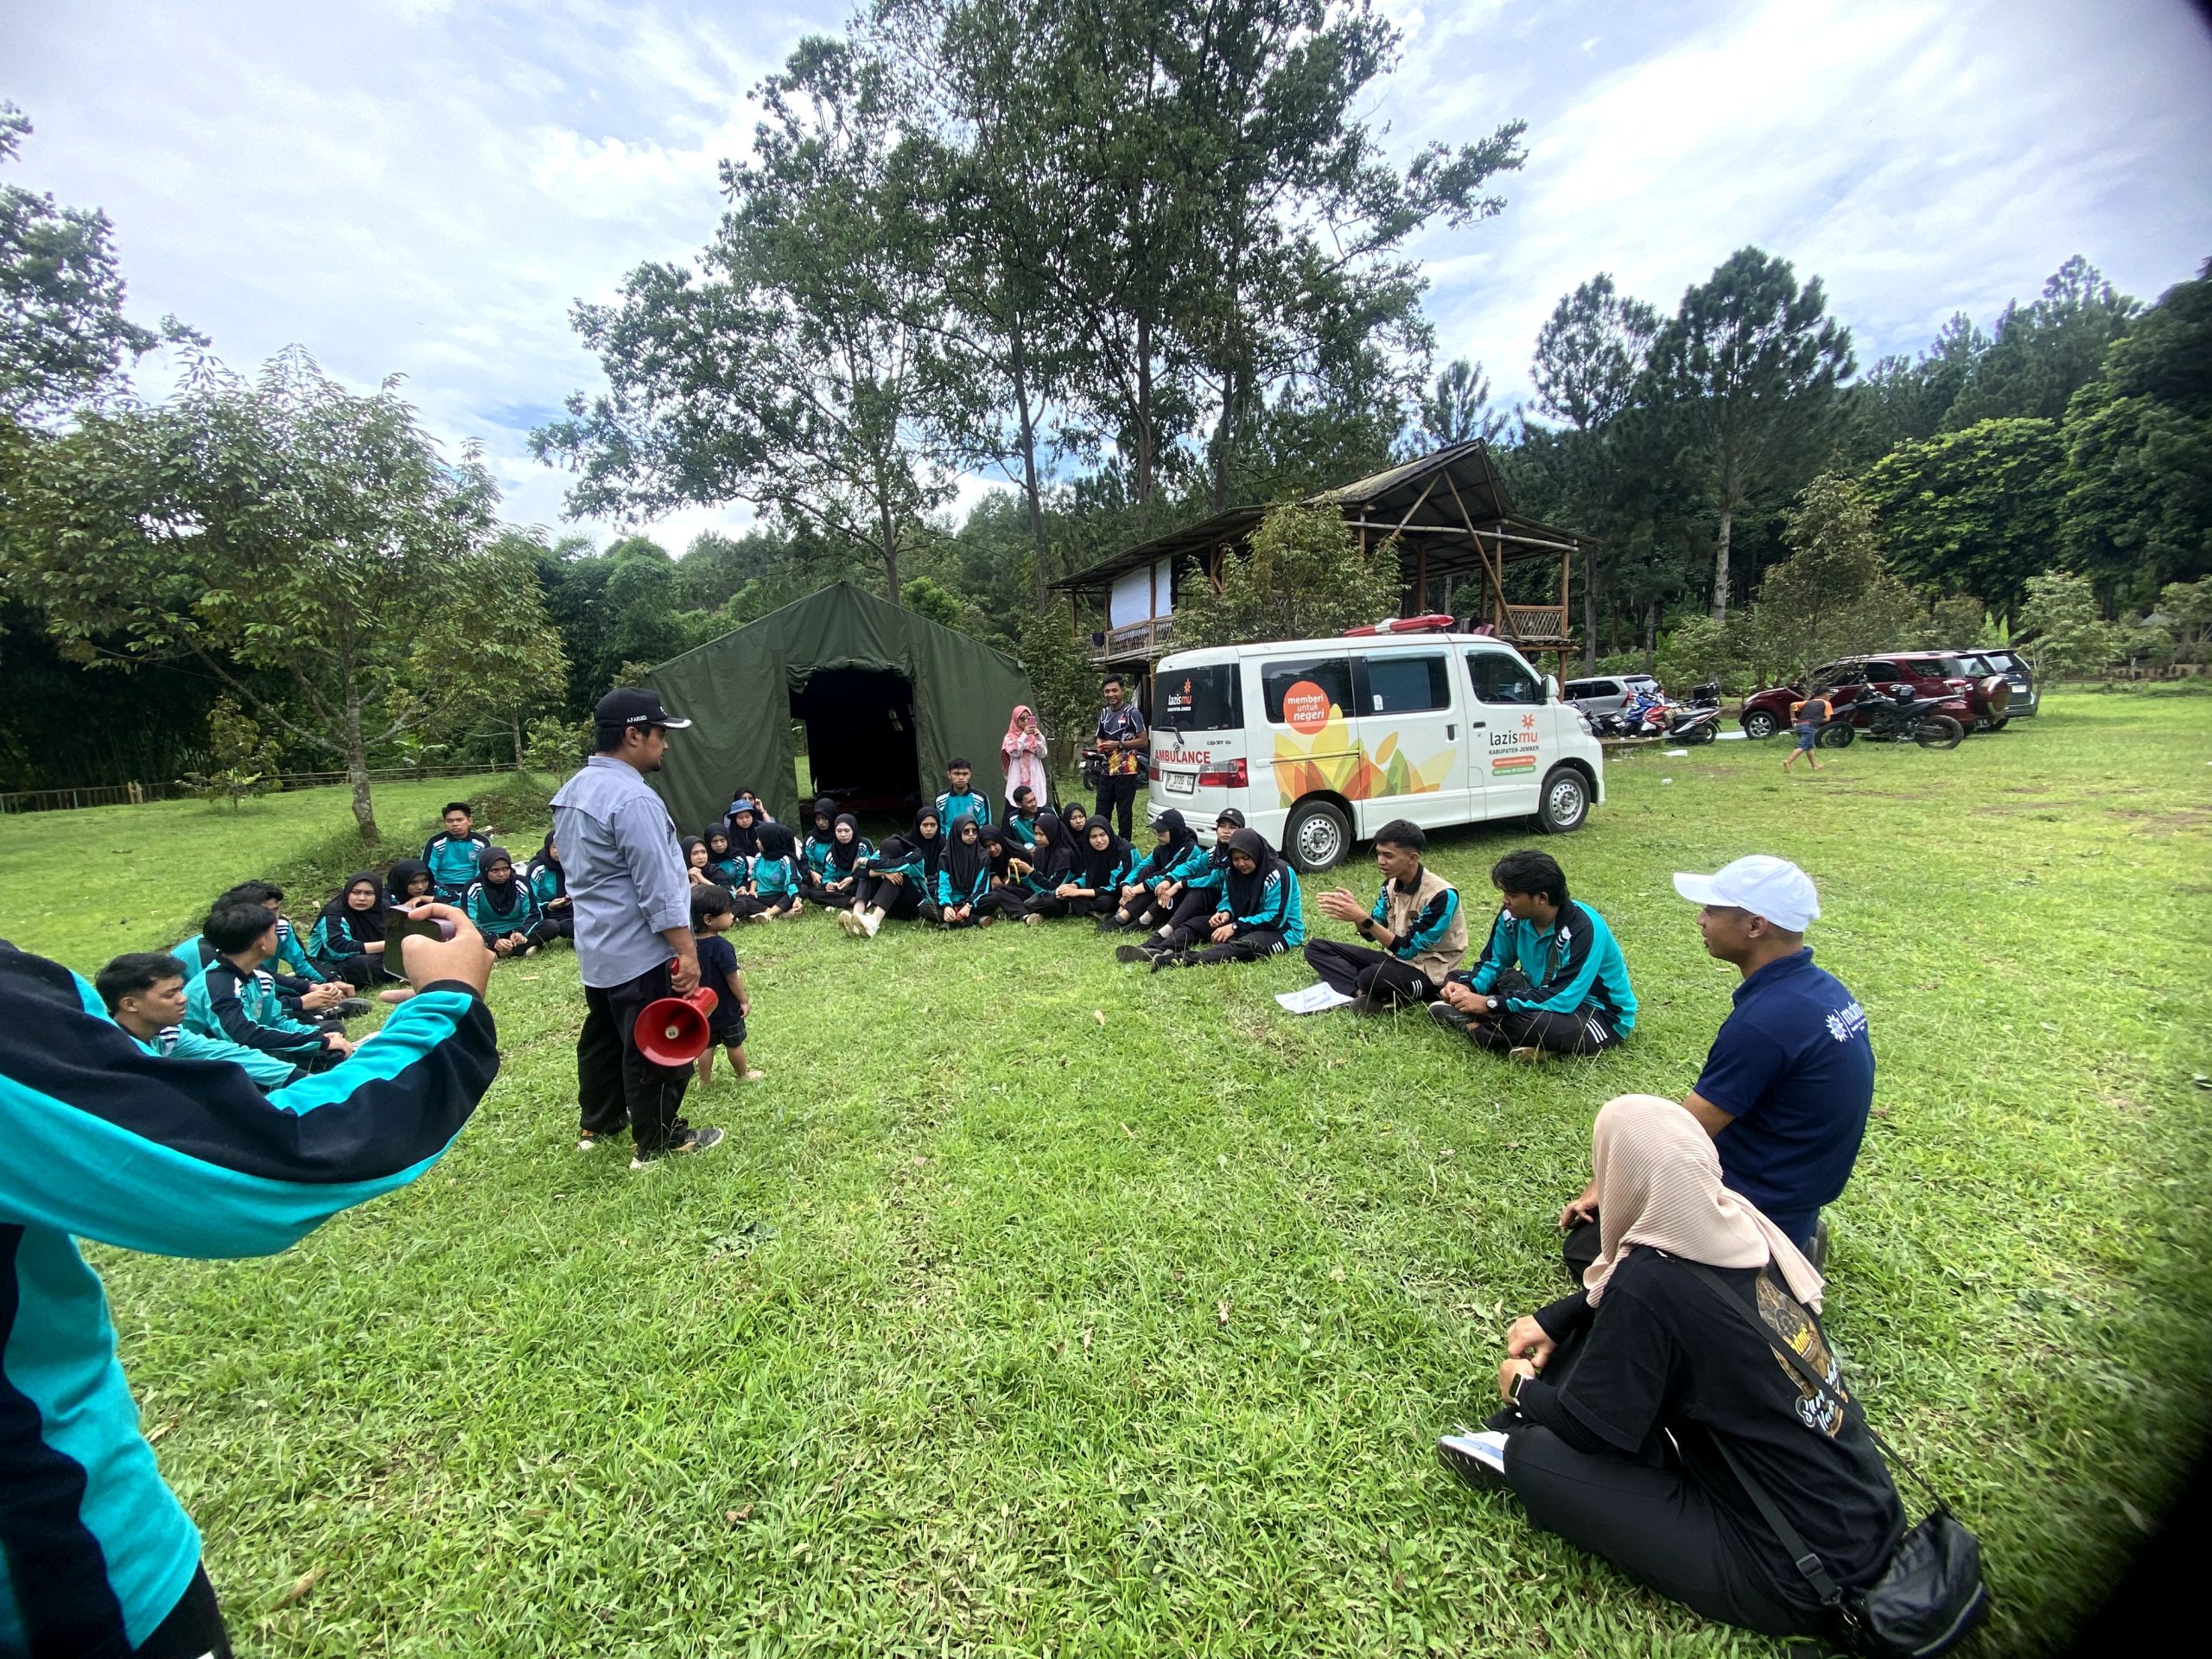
(183, 1157)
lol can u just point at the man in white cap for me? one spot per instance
(1789, 1079)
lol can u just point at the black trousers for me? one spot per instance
(1579, 1033)
(1253, 944)
(817, 892)
(552, 927)
(362, 972)
(1120, 796)
(615, 1083)
(1358, 971)
(1656, 1520)
(895, 899)
(194, 1629)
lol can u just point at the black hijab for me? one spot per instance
(1180, 840)
(504, 897)
(546, 861)
(964, 860)
(365, 926)
(688, 842)
(824, 808)
(1099, 866)
(999, 848)
(1241, 894)
(403, 872)
(1074, 809)
(932, 848)
(895, 851)
(744, 838)
(729, 847)
(776, 842)
(1055, 859)
(843, 854)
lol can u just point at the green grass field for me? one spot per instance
(1034, 1304)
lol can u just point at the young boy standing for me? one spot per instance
(958, 801)
(233, 998)
(143, 993)
(452, 856)
(712, 916)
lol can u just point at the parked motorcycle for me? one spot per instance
(1903, 718)
(1693, 725)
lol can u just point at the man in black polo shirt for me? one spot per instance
(1789, 1079)
(1122, 740)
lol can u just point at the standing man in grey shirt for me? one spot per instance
(632, 900)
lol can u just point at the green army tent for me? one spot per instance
(887, 697)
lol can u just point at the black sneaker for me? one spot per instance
(686, 1141)
(1169, 959)
(1372, 1008)
(352, 1007)
(1135, 952)
(1820, 1255)
(1449, 1018)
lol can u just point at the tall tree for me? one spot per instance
(1591, 355)
(2139, 450)
(799, 373)
(63, 336)
(289, 526)
(1902, 399)
(2044, 353)
(1457, 407)
(1974, 512)
(1833, 596)
(1749, 366)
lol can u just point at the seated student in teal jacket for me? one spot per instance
(776, 877)
(725, 866)
(348, 940)
(234, 998)
(143, 993)
(500, 904)
(453, 853)
(1150, 890)
(1551, 978)
(1021, 822)
(1259, 913)
(1202, 874)
(964, 877)
(1043, 892)
(308, 992)
(174, 1157)
(1103, 864)
(549, 884)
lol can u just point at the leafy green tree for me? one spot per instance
(240, 762)
(2066, 632)
(2044, 353)
(2138, 449)
(1457, 407)
(926, 599)
(1973, 511)
(1832, 597)
(63, 337)
(2186, 607)
(1749, 368)
(1902, 399)
(1959, 620)
(1065, 678)
(799, 371)
(285, 525)
(1300, 576)
(1591, 356)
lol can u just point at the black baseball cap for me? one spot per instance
(635, 706)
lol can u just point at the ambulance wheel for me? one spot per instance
(1317, 837)
(1564, 801)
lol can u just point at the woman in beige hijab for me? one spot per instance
(1621, 1398)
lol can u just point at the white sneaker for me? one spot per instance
(1476, 1457)
(872, 921)
(849, 924)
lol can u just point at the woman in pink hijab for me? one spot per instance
(1023, 752)
(1630, 1404)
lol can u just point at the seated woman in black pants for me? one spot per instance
(1188, 904)
(1627, 1400)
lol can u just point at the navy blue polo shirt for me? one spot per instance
(1794, 1068)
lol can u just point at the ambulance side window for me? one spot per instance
(1502, 679)
(1400, 683)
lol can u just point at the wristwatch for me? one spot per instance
(1519, 1380)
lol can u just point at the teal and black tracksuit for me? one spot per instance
(898, 856)
(453, 863)
(174, 1156)
(243, 1008)
(1266, 909)
(1563, 988)
(336, 946)
(547, 882)
(195, 953)
(178, 1042)
(776, 882)
(951, 807)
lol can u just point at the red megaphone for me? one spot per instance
(673, 1030)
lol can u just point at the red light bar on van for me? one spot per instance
(1434, 622)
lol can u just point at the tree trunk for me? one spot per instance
(1650, 635)
(890, 551)
(514, 724)
(1142, 414)
(357, 768)
(1032, 496)
(1720, 568)
(1590, 610)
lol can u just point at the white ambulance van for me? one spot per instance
(1320, 742)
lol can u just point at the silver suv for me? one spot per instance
(1607, 693)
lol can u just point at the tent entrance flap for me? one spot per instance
(860, 737)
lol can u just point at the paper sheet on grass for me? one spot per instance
(1317, 998)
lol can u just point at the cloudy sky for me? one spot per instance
(424, 188)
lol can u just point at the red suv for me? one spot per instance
(1977, 703)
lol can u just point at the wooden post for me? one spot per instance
(1420, 580)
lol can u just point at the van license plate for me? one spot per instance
(1180, 782)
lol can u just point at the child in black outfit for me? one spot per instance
(712, 915)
